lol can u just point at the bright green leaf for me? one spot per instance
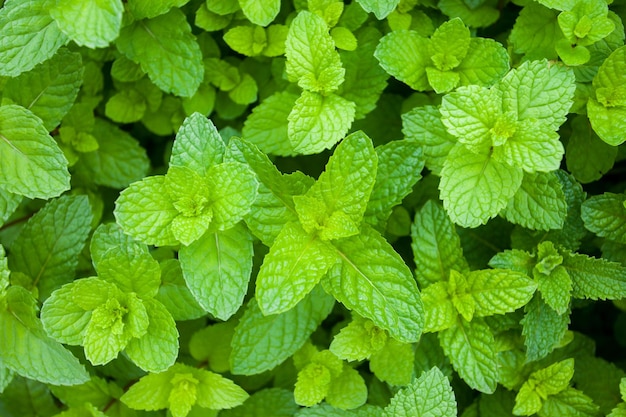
(605, 215)
(403, 54)
(91, 24)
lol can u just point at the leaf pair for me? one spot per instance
(328, 243)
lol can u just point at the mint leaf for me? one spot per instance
(262, 342)
(380, 8)
(198, 145)
(485, 63)
(27, 350)
(499, 291)
(570, 401)
(399, 167)
(536, 32)
(370, 275)
(131, 271)
(157, 349)
(31, 163)
(474, 14)
(295, 264)
(403, 54)
(587, 156)
(260, 14)
(470, 346)
(8, 203)
(429, 395)
(213, 345)
(233, 190)
(217, 269)
(152, 226)
(542, 328)
(93, 25)
(312, 60)
(32, 36)
(49, 89)
(174, 294)
(267, 126)
(318, 122)
(605, 215)
(119, 159)
(440, 311)
(346, 183)
(595, 278)
(390, 363)
(436, 246)
(48, 246)
(169, 35)
(539, 91)
(476, 187)
(606, 110)
(424, 126)
(539, 203)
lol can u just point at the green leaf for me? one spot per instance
(90, 24)
(151, 392)
(31, 163)
(8, 203)
(541, 385)
(198, 145)
(294, 265)
(119, 159)
(436, 245)
(588, 157)
(535, 32)
(473, 14)
(246, 40)
(346, 183)
(180, 71)
(476, 187)
(131, 271)
(471, 114)
(262, 342)
(485, 63)
(64, 318)
(499, 291)
(605, 215)
(233, 188)
(607, 109)
(552, 279)
(358, 340)
(539, 203)
(277, 402)
(348, 390)
(217, 392)
(540, 91)
(404, 55)
(141, 9)
(213, 345)
(260, 13)
(542, 328)
(400, 164)
(318, 122)
(371, 279)
(32, 36)
(312, 60)
(47, 248)
(4, 271)
(267, 126)
(380, 8)
(156, 350)
(440, 312)
(470, 346)
(312, 386)
(449, 44)
(595, 278)
(126, 106)
(27, 350)
(393, 364)
(49, 89)
(424, 126)
(569, 402)
(151, 226)
(174, 294)
(429, 395)
(217, 269)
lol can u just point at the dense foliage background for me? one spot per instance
(312, 208)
